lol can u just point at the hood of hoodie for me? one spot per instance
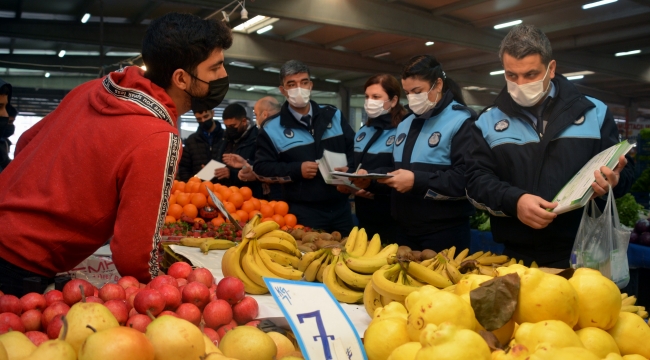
(128, 92)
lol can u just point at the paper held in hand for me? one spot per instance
(328, 163)
(577, 192)
(207, 173)
(371, 176)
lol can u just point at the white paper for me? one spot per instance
(207, 173)
(328, 163)
(361, 176)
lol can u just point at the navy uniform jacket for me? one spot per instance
(284, 144)
(510, 158)
(433, 147)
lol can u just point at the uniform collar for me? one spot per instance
(382, 122)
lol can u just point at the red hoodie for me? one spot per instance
(102, 164)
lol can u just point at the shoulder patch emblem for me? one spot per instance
(502, 125)
(580, 121)
(288, 133)
(361, 136)
(390, 141)
(400, 139)
(434, 139)
(329, 126)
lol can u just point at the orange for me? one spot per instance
(252, 214)
(256, 203)
(172, 199)
(192, 187)
(225, 192)
(190, 210)
(266, 219)
(246, 192)
(234, 189)
(194, 179)
(278, 219)
(284, 228)
(176, 211)
(176, 192)
(230, 207)
(235, 217)
(243, 215)
(217, 221)
(272, 203)
(281, 208)
(218, 196)
(169, 219)
(199, 220)
(248, 206)
(180, 186)
(267, 211)
(299, 226)
(183, 199)
(199, 200)
(204, 186)
(236, 199)
(290, 220)
(264, 202)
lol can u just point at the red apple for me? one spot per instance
(130, 300)
(127, 281)
(112, 292)
(162, 280)
(171, 295)
(167, 312)
(181, 282)
(253, 323)
(37, 337)
(213, 287)
(4, 328)
(139, 322)
(180, 288)
(142, 286)
(213, 297)
(96, 293)
(224, 329)
(53, 296)
(201, 275)
(217, 313)
(196, 293)
(179, 270)
(94, 299)
(190, 313)
(231, 289)
(133, 312)
(31, 320)
(57, 308)
(72, 291)
(246, 310)
(119, 309)
(33, 301)
(13, 321)
(54, 327)
(10, 303)
(149, 300)
(212, 335)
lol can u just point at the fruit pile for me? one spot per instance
(199, 229)
(549, 317)
(641, 233)
(191, 202)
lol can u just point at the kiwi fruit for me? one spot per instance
(416, 256)
(427, 254)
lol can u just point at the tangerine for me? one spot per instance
(194, 179)
(199, 200)
(218, 196)
(267, 211)
(190, 210)
(243, 215)
(256, 203)
(199, 220)
(253, 213)
(281, 208)
(183, 199)
(285, 228)
(230, 207)
(192, 187)
(299, 226)
(246, 192)
(264, 202)
(248, 206)
(225, 192)
(175, 210)
(266, 219)
(236, 199)
(290, 220)
(203, 189)
(172, 199)
(235, 217)
(169, 219)
(180, 186)
(278, 219)
(272, 203)
(217, 221)
(234, 189)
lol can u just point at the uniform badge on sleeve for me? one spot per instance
(400, 139)
(434, 139)
(390, 140)
(361, 136)
(288, 133)
(501, 125)
(580, 121)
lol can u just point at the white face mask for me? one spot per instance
(419, 103)
(375, 108)
(529, 94)
(298, 97)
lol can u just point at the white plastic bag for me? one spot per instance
(601, 243)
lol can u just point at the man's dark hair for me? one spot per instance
(524, 40)
(5, 89)
(234, 111)
(181, 41)
(427, 68)
(292, 67)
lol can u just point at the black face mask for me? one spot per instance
(234, 133)
(217, 90)
(6, 130)
(207, 125)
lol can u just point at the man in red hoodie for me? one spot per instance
(103, 163)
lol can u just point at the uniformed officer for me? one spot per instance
(289, 145)
(429, 200)
(539, 133)
(373, 149)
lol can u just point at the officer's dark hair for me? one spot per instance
(181, 41)
(5, 89)
(524, 40)
(393, 89)
(292, 67)
(234, 111)
(425, 67)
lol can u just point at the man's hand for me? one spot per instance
(401, 181)
(309, 169)
(341, 169)
(246, 173)
(531, 210)
(361, 183)
(222, 173)
(344, 189)
(365, 194)
(234, 160)
(611, 177)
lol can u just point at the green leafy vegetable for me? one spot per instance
(642, 183)
(628, 210)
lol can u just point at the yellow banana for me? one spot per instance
(630, 308)
(231, 266)
(631, 300)
(411, 281)
(216, 244)
(521, 262)
(350, 277)
(280, 234)
(534, 265)
(511, 262)
(360, 244)
(308, 258)
(371, 299)
(489, 260)
(252, 270)
(349, 245)
(474, 256)
(461, 256)
(365, 265)
(624, 296)
(643, 314)
(384, 300)
(487, 270)
(285, 272)
(451, 252)
(312, 269)
(192, 242)
(424, 274)
(386, 252)
(251, 223)
(277, 244)
(374, 246)
(387, 288)
(262, 229)
(453, 273)
(283, 258)
(321, 268)
(340, 293)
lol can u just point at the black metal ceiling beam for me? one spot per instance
(146, 11)
(457, 5)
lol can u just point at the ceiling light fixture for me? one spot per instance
(85, 18)
(251, 88)
(429, 43)
(47, 74)
(577, 77)
(498, 72)
(578, 73)
(508, 24)
(265, 29)
(333, 81)
(382, 54)
(241, 64)
(62, 53)
(143, 67)
(597, 3)
(272, 69)
(626, 53)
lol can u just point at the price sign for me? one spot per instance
(223, 210)
(322, 328)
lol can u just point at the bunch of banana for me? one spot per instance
(341, 291)
(628, 305)
(207, 244)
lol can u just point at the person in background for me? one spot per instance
(202, 146)
(239, 140)
(428, 198)
(266, 108)
(7, 116)
(373, 150)
(102, 164)
(538, 134)
(289, 145)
